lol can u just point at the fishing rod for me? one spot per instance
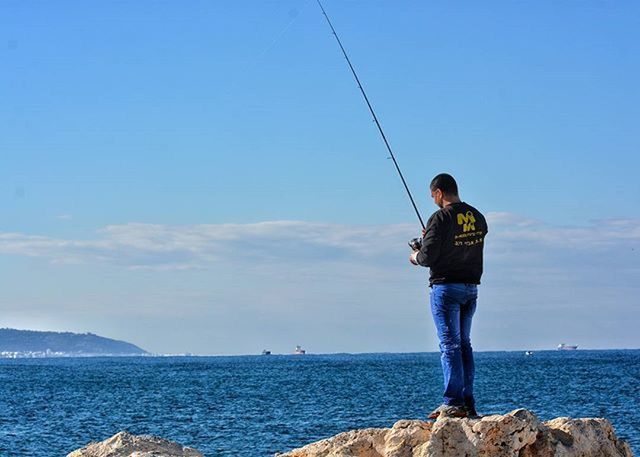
(375, 118)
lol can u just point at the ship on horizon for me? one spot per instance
(567, 347)
(299, 350)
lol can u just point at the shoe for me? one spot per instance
(472, 413)
(448, 411)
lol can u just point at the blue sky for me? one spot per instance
(205, 176)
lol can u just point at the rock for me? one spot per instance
(518, 434)
(585, 437)
(370, 441)
(125, 444)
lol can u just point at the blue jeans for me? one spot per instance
(452, 306)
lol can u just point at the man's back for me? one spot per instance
(452, 246)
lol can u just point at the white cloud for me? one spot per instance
(141, 245)
(162, 246)
(509, 228)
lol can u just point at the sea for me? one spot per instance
(258, 405)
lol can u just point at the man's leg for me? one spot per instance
(445, 308)
(466, 316)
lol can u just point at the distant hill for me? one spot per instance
(12, 340)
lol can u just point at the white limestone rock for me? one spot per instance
(516, 434)
(125, 444)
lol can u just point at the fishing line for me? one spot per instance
(375, 118)
(252, 65)
(293, 18)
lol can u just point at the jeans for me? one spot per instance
(452, 307)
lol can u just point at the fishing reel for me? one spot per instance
(416, 244)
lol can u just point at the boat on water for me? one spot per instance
(299, 351)
(528, 353)
(567, 347)
(266, 352)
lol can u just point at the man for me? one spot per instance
(452, 249)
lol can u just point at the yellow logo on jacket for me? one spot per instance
(467, 221)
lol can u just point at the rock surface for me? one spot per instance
(518, 433)
(125, 444)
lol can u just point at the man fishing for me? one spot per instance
(451, 247)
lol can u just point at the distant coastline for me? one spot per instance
(16, 343)
(32, 344)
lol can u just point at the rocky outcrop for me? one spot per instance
(518, 433)
(127, 445)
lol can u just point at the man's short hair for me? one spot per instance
(445, 183)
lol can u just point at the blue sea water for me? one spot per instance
(257, 405)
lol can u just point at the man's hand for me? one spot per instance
(413, 258)
(424, 232)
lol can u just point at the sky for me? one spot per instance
(205, 177)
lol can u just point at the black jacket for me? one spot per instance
(452, 246)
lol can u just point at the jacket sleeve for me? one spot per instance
(431, 242)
